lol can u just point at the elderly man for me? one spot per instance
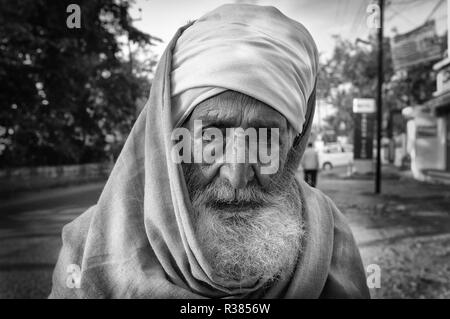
(199, 220)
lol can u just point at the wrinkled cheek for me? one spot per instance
(207, 158)
(275, 166)
(266, 159)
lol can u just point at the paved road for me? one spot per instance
(406, 231)
(30, 237)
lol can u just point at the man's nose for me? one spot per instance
(238, 174)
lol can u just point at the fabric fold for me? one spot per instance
(254, 50)
(138, 240)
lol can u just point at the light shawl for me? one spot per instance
(254, 50)
(138, 241)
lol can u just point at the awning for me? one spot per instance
(441, 104)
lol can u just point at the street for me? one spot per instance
(30, 236)
(406, 231)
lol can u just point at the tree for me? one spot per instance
(66, 92)
(351, 72)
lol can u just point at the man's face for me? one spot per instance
(232, 110)
(248, 223)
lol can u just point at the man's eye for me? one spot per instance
(265, 135)
(207, 136)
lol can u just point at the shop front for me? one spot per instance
(428, 131)
(441, 105)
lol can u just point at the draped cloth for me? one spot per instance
(255, 50)
(138, 240)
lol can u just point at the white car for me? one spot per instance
(333, 155)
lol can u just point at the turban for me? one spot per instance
(256, 51)
(139, 241)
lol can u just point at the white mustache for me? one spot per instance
(221, 193)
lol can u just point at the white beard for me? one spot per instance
(256, 244)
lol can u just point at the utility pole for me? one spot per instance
(379, 98)
(448, 29)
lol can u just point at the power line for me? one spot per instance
(396, 3)
(405, 18)
(379, 99)
(344, 13)
(346, 7)
(338, 11)
(402, 16)
(359, 15)
(434, 10)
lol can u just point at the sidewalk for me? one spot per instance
(406, 231)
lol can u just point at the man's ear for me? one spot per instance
(293, 158)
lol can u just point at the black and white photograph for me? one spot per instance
(224, 150)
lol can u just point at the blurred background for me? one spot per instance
(74, 78)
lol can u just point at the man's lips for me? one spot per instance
(234, 205)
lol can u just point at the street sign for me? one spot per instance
(364, 106)
(363, 135)
(426, 131)
(364, 115)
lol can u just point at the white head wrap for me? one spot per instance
(258, 52)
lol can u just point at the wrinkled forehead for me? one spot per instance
(249, 49)
(234, 109)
